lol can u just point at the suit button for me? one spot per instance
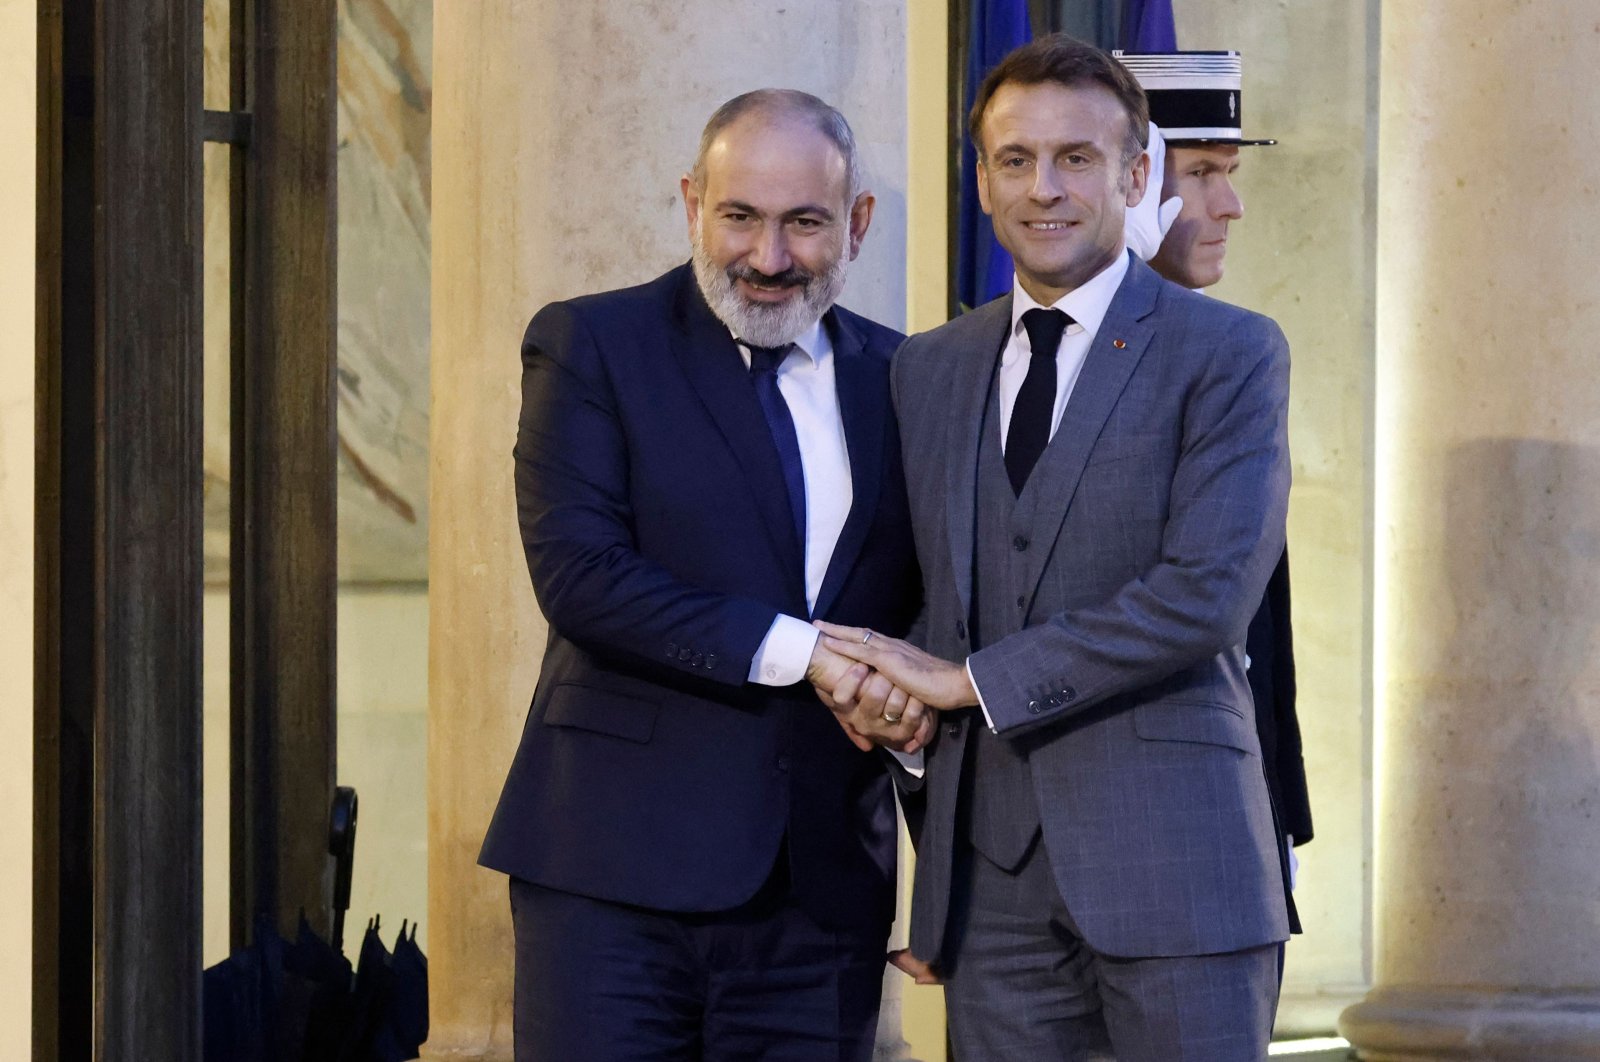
(1020, 543)
(684, 654)
(1069, 694)
(961, 629)
(1022, 600)
(672, 648)
(783, 763)
(696, 659)
(711, 661)
(1052, 702)
(1033, 706)
(954, 730)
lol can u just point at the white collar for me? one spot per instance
(813, 343)
(1086, 304)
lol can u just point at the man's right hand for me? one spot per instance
(913, 967)
(906, 726)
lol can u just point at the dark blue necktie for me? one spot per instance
(1035, 406)
(764, 362)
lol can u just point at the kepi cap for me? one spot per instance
(1194, 96)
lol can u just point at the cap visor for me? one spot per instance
(1183, 141)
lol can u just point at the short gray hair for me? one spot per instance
(778, 102)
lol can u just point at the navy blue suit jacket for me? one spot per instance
(656, 524)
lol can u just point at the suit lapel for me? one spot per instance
(710, 360)
(970, 393)
(1118, 346)
(863, 390)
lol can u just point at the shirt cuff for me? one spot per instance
(982, 707)
(912, 762)
(785, 653)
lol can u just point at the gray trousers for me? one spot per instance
(1023, 984)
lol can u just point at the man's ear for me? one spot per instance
(1139, 179)
(860, 218)
(691, 202)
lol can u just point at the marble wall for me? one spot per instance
(385, 104)
(18, 73)
(385, 125)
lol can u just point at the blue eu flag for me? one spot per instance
(1147, 26)
(983, 268)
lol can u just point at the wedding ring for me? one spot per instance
(887, 718)
(865, 638)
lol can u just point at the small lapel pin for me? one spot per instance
(1119, 344)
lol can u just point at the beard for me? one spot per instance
(767, 324)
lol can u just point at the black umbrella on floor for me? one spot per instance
(279, 1001)
(390, 999)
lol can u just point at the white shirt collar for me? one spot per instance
(813, 343)
(1086, 304)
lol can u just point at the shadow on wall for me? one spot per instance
(1505, 762)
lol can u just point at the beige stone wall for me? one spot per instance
(927, 306)
(383, 720)
(1304, 254)
(18, 68)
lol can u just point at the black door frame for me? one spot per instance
(118, 577)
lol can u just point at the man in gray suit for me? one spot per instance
(1098, 472)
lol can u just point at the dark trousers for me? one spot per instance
(1023, 984)
(604, 982)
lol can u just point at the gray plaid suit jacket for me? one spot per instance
(1167, 486)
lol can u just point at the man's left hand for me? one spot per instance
(936, 683)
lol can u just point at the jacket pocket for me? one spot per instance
(601, 711)
(1205, 722)
(1126, 446)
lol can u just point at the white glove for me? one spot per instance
(1146, 225)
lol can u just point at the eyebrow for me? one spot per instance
(805, 210)
(1214, 166)
(1086, 146)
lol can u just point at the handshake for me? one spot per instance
(884, 691)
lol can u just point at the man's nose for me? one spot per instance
(771, 252)
(1046, 184)
(1228, 204)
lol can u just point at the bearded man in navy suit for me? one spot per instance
(702, 857)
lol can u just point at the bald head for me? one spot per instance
(782, 107)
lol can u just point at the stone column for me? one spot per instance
(1487, 878)
(560, 131)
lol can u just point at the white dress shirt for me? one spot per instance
(1086, 305)
(806, 380)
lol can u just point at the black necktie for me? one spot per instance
(764, 362)
(1036, 401)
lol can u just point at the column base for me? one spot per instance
(1427, 1024)
(465, 1045)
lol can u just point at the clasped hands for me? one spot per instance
(884, 691)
